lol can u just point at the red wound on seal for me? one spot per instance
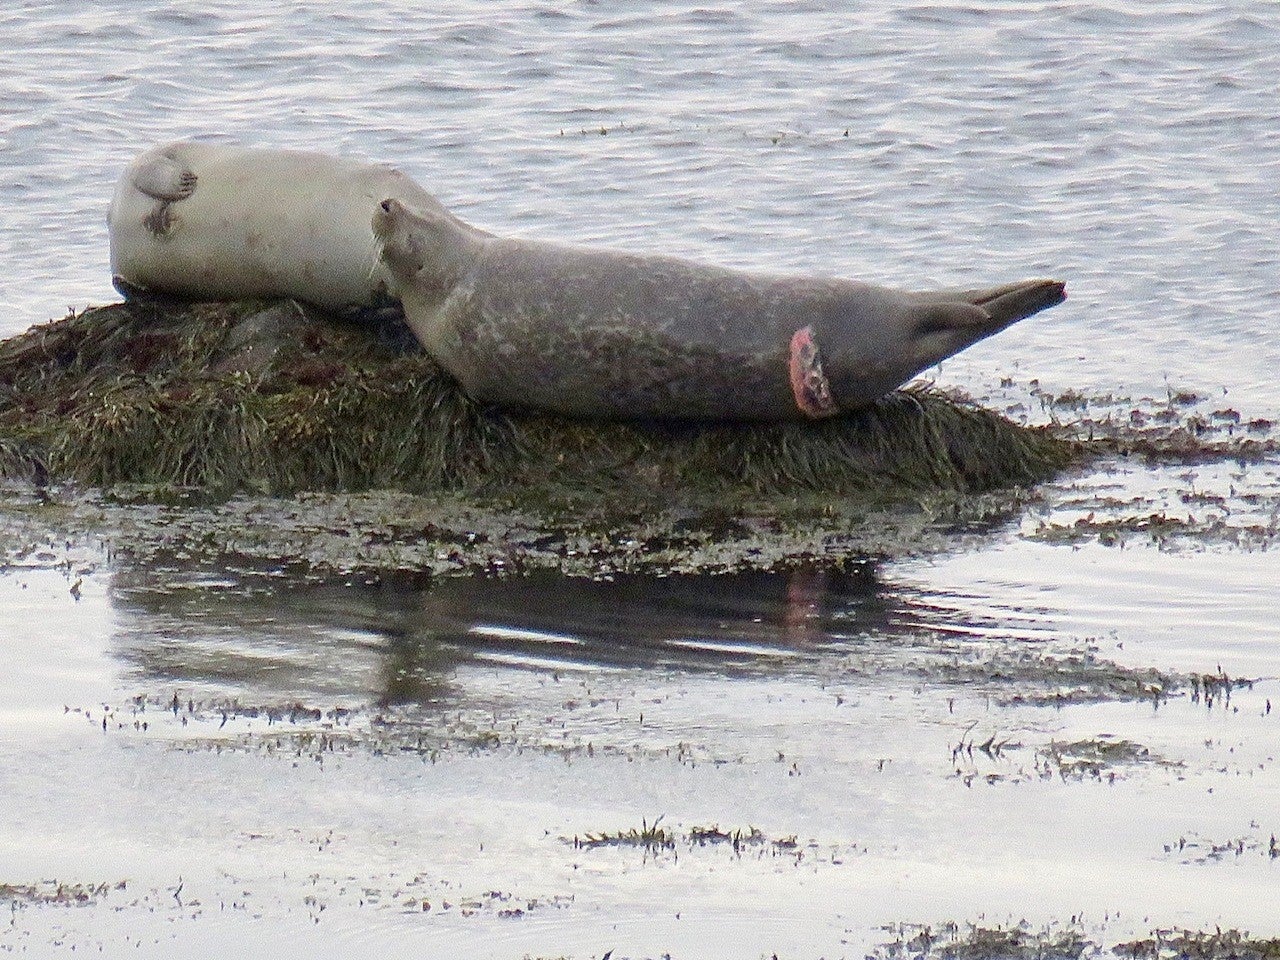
(808, 381)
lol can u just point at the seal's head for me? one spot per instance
(400, 246)
(425, 246)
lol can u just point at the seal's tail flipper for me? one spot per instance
(947, 316)
(984, 312)
(1017, 301)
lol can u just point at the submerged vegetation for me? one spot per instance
(1022, 942)
(653, 839)
(273, 398)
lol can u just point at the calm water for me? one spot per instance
(267, 766)
(1132, 149)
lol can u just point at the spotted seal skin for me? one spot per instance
(222, 222)
(602, 334)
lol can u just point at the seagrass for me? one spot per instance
(161, 393)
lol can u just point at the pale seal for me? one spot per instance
(595, 333)
(221, 222)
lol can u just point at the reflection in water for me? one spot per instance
(399, 640)
(720, 622)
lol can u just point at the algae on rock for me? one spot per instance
(276, 398)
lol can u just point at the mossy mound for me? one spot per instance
(275, 398)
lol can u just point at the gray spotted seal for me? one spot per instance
(596, 333)
(214, 221)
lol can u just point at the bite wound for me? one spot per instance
(809, 383)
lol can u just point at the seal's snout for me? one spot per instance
(396, 240)
(384, 218)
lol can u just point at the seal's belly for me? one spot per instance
(600, 334)
(258, 223)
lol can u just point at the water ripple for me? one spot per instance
(1124, 145)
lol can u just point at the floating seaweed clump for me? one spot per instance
(275, 398)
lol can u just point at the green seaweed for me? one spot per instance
(276, 399)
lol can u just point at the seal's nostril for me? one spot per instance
(386, 206)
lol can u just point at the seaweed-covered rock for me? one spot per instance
(274, 397)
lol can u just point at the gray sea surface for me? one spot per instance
(232, 763)
(1130, 148)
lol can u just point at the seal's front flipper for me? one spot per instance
(140, 298)
(164, 178)
(385, 322)
(130, 291)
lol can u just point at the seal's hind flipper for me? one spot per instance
(164, 178)
(1002, 305)
(939, 317)
(944, 324)
(1014, 302)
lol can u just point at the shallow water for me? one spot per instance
(329, 757)
(468, 730)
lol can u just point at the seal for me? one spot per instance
(604, 334)
(219, 222)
